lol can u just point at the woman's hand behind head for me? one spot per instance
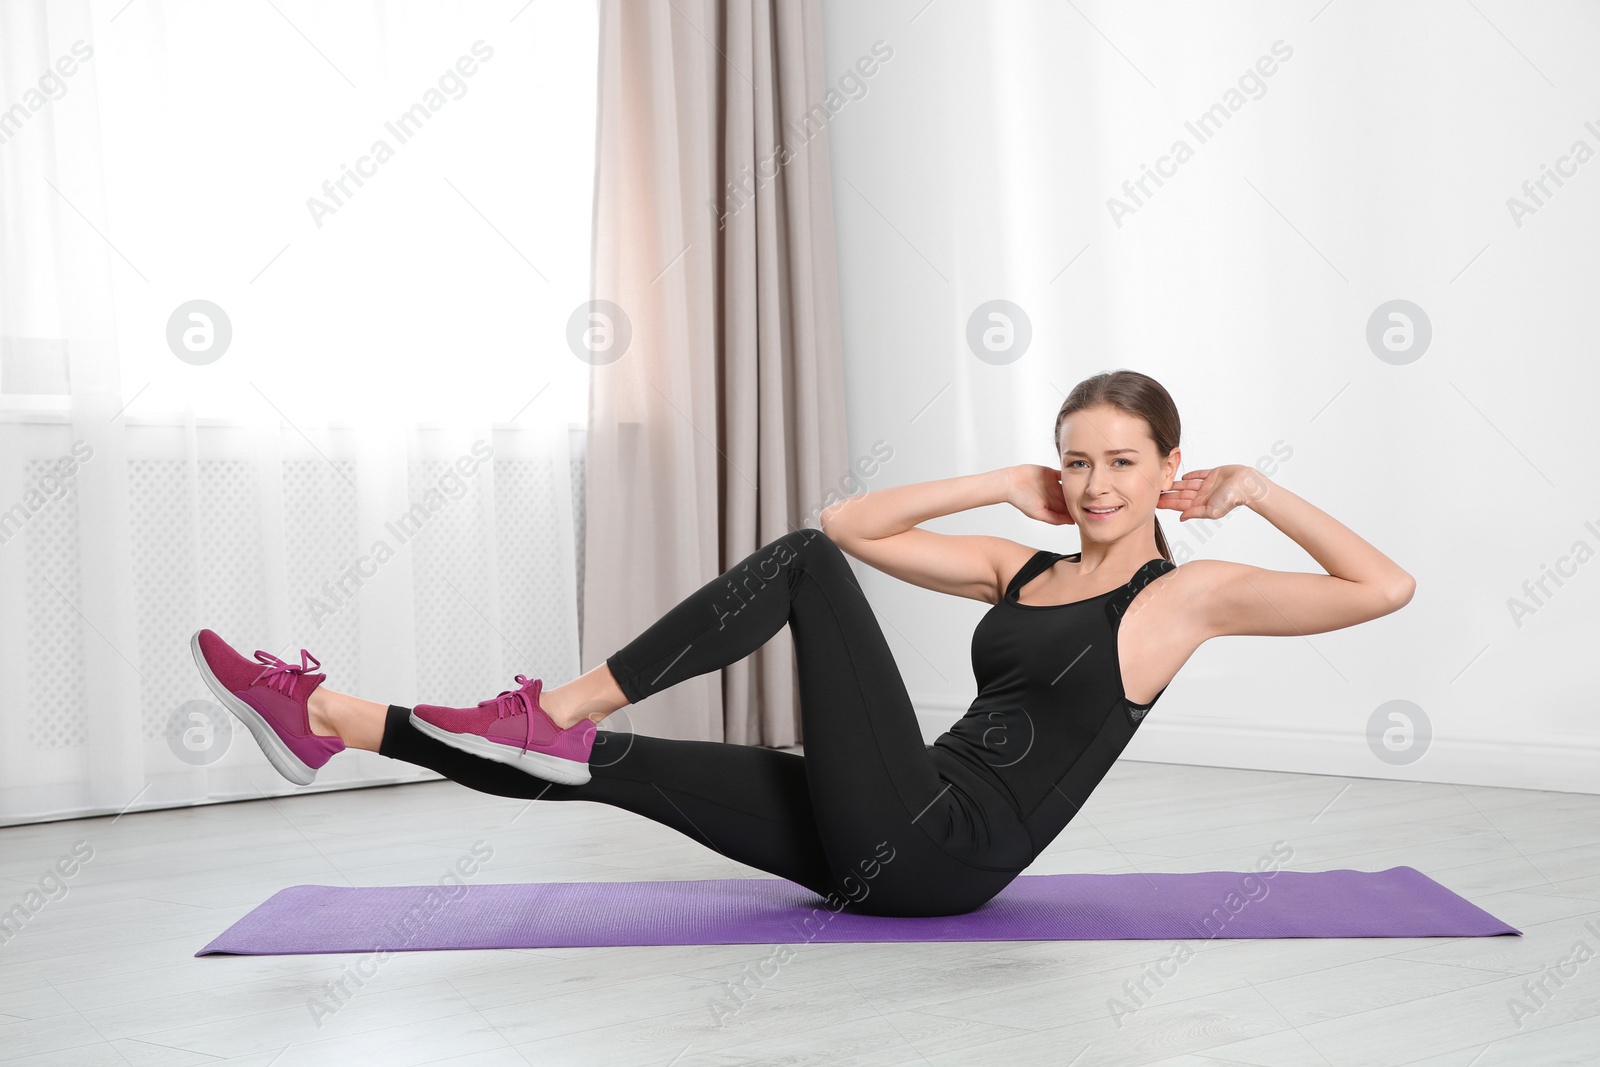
(1035, 491)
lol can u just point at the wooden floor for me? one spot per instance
(105, 974)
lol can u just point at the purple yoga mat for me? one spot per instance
(1398, 902)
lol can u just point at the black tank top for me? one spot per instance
(1050, 717)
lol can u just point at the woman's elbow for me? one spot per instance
(828, 522)
(832, 523)
(1401, 595)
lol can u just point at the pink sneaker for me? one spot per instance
(269, 697)
(512, 728)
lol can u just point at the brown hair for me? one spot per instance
(1133, 394)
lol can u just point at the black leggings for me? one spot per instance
(864, 818)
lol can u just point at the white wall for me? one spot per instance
(1375, 163)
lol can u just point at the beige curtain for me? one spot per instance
(721, 424)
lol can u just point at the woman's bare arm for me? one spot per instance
(1361, 584)
(880, 529)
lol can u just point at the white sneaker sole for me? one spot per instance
(278, 754)
(538, 764)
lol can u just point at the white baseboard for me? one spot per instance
(1557, 763)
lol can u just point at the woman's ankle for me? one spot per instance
(591, 696)
(319, 713)
(358, 723)
(564, 709)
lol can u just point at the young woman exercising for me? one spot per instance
(1074, 652)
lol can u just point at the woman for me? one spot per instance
(1074, 652)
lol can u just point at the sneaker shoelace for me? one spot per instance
(280, 675)
(511, 702)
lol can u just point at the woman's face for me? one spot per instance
(1109, 464)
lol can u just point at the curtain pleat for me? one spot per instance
(722, 426)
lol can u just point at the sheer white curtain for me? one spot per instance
(284, 296)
